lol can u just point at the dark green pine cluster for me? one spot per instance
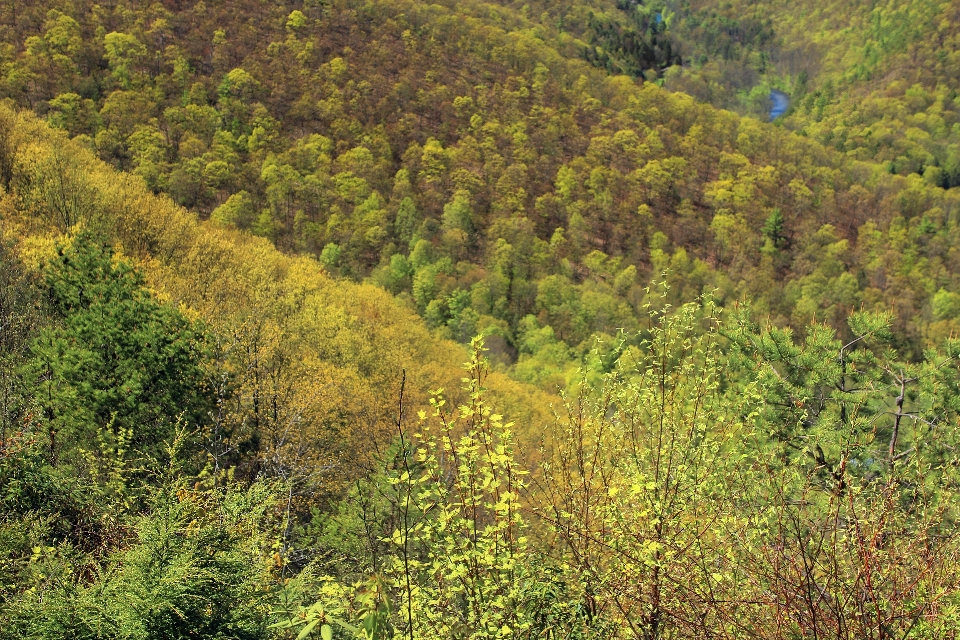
(101, 534)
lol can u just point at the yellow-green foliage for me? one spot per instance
(721, 481)
(464, 156)
(471, 168)
(877, 81)
(315, 363)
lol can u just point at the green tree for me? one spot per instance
(116, 361)
(194, 569)
(123, 52)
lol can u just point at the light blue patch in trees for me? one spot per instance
(781, 102)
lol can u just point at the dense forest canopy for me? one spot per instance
(468, 159)
(876, 81)
(711, 384)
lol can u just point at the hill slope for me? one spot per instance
(464, 157)
(877, 81)
(201, 439)
(313, 366)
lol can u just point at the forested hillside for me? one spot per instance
(246, 244)
(876, 81)
(468, 160)
(139, 344)
(298, 351)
